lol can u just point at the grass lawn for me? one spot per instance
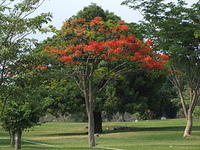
(144, 135)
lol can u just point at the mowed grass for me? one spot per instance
(143, 135)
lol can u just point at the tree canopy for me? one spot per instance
(173, 28)
(16, 24)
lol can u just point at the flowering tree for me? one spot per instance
(94, 52)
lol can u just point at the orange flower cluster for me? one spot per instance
(149, 43)
(121, 22)
(175, 71)
(96, 21)
(121, 28)
(65, 58)
(57, 51)
(108, 43)
(79, 32)
(126, 47)
(93, 46)
(79, 20)
(41, 67)
(152, 63)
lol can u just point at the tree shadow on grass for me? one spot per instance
(40, 148)
(118, 129)
(148, 129)
(66, 134)
(5, 134)
(4, 142)
(54, 148)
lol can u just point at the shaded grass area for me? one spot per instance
(144, 135)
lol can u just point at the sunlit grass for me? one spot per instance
(143, 135)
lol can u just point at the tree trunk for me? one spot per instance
(91, 137)
(89, 101)
(188, 128)
(97, 122)
(18, 136)
(12, 138)
(123, 116)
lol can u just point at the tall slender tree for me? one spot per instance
(173, 27)
(27, 99)
(16, 24)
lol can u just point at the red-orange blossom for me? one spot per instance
(122, 46)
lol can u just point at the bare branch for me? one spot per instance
(2, 72)
(2, 2)
(104, 81)
(174, 79)
(4, 104)
(28, 14)
(77, 81)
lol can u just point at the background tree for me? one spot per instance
(27, 99)
(173, 28)
(15, 25)
(65, 98)
(147, 94)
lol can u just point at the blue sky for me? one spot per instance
(63, 9)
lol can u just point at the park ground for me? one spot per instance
(142, 135)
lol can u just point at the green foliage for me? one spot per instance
(22, 98)
(197, 112)
(65, 98)
(20, 115)
(15, 25)
(148, 94)
(174, 28)
(93, 11)
(25, 97)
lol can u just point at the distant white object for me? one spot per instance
(163, 118)
(136, 120)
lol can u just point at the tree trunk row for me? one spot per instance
(97, 122)
(15, 139)
(89, 102)
(188, 109)
(189, 124)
